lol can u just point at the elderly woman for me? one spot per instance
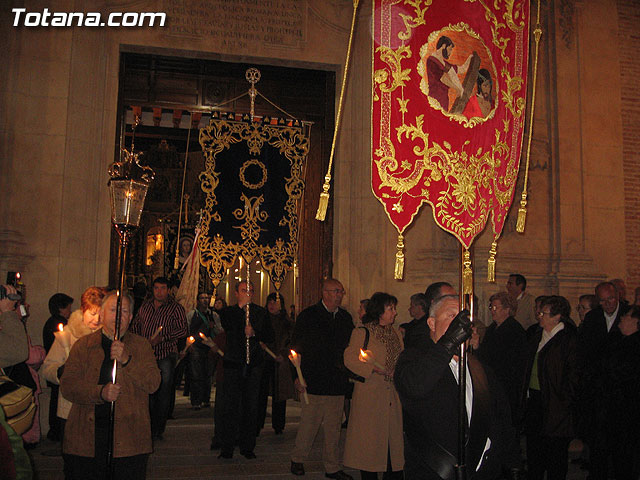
(550, 383)
(86, 382)
(503, 348)
(81, 322)
(374, 437)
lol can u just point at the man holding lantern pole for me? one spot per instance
(320, 336)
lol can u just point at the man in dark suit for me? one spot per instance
(597, 334)
(243, 362)
(426, 379)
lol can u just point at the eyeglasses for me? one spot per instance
(336, 290)
(542, 314)
(493, 308)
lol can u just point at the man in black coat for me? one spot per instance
(320, 336)
(426, 379)
(597, 334)
(242, 373)
(417, 331)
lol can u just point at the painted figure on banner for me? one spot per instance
(186, 245)
(451, 75)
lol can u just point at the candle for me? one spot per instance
(296, 360)
(64, 337)
(156, 333)
(268, 350)
(210, 343)
(367, 357)
(190, 341)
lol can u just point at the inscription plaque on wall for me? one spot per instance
(239, 23)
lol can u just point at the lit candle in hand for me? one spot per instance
(156, 333)
(64, 337)
(296, 360)
(367, 357)
(211, 344)
(190, 341)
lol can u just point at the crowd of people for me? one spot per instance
(535, 373)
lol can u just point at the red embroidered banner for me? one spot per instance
(449, 97)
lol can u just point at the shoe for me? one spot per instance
(248, 454)
(278, 432)
(195, 407)
(206, 404)
(297, 468)
(215, 444)
(157, 437)
(339, 475)
(226, 455)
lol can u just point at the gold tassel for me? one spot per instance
(399, 270)
(467, 274)
(324, 196)
(324, 199)
(176, 261)
(491, 263)
(522, 214)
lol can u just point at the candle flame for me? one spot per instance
(202, 335)
(191, 339)
(60, 327)
(363, 353)
(293, 353)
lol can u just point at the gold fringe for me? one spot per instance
(467, 274)
(522, 214)
(399, 270)
(324, 199)
(324, 196)
(491, 263)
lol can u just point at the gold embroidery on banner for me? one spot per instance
(243, 169)
(463, 172)
(393, 58)
(216, 254)
(413, 22)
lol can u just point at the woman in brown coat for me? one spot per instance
(374, 436)
(86, 382)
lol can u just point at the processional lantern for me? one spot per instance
(128, 188)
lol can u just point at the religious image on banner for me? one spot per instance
(449, 97)
(253, 181)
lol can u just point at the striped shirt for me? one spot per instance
(170, 316)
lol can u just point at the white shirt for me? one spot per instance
(611, 318)
(546, 336)
(468, 400)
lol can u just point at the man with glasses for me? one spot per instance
(598, 333)
(321, 334)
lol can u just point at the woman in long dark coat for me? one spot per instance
(550, 386)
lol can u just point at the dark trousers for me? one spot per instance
(240, 407)
(278, 408)
(200, 373)
(160, 401)
(89, 468)
(544, 453)
(619, 444)
(54, 421)
(218, 412)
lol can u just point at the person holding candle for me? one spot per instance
(162, 311)
(60, 309)
(320, 335)
(426, 377)
(82, 322)
(276, 377)
(374, 436)
(87, 383)
(241, 381)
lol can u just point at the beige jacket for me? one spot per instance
(375, 421)
(57, 357)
